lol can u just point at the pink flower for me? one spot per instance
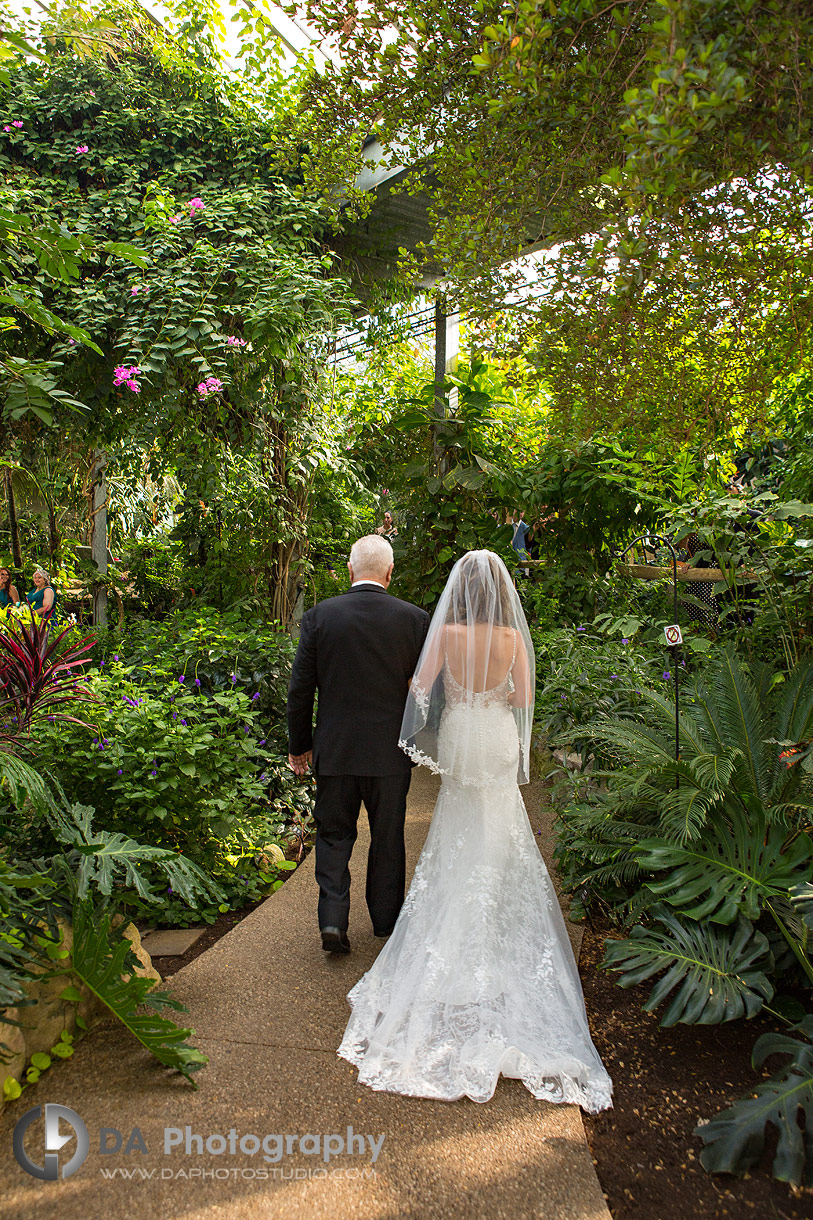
(212, 385)
(173, 220)
(6, 128)
(125, 374)
(82, 148)
(195, 205)
(16, 122)
(134, 290)
(92, 92)
(233, 341)
(72, 342)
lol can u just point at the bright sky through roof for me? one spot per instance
(293, 33)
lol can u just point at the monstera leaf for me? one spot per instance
(735, 1139)
(737, 866)
(718, 971)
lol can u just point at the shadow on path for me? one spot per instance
(269, 1008)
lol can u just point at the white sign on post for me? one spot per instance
(673, 635)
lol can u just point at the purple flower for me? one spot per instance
(174, 715)
(183, 721)
(233, 679)
(119, 772)
(246, 729)
(666, 675)
(613, 675)
(625, 641)
(153, 772)
(115, 656)
(256, 695)
(262, 777)
(197, 681)
(182, 678)
(581, 628)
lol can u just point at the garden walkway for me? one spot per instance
(268, 1007)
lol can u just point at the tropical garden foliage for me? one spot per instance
(174, 305)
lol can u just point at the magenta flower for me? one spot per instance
(195, 205)
(16, 122)
(6, 128)
(233, 341)
(72, 342)
(212, 385)
(125, 374)
(134, 290)
(82, 148)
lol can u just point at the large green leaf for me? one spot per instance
(735, 1139)
(718, 971)
(110, 857)
(24, 782)
(738, 864)
(101, 955)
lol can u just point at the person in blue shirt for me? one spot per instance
(42, 598)
(8, 591)
(518, 542)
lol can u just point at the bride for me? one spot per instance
(478, 978)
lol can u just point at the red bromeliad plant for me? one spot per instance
(39, 675)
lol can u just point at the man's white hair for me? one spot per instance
(370, 556)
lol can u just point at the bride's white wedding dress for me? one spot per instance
(478, 978)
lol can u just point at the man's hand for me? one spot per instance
(299, 763)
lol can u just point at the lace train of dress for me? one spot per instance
(478, 978)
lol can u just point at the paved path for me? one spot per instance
(269, 1008)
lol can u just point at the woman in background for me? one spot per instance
(42, 598)
(8, 592)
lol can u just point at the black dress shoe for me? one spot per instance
(334, 940)
(382, 935)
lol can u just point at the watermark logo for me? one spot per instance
(49, 1170)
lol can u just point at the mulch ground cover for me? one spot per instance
(665, 1081)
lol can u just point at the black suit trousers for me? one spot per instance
(338, 802)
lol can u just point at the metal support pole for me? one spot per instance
(98, 534)
(447, 332)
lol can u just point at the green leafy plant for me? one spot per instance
(734, 1141)
(720, 974)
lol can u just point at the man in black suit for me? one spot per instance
(359, 650)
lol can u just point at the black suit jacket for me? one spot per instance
(359, 650)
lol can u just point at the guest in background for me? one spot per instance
(8, 591)
(42, 598)
(387, 530)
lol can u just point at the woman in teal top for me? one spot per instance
(8, 593)
(42, 598)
